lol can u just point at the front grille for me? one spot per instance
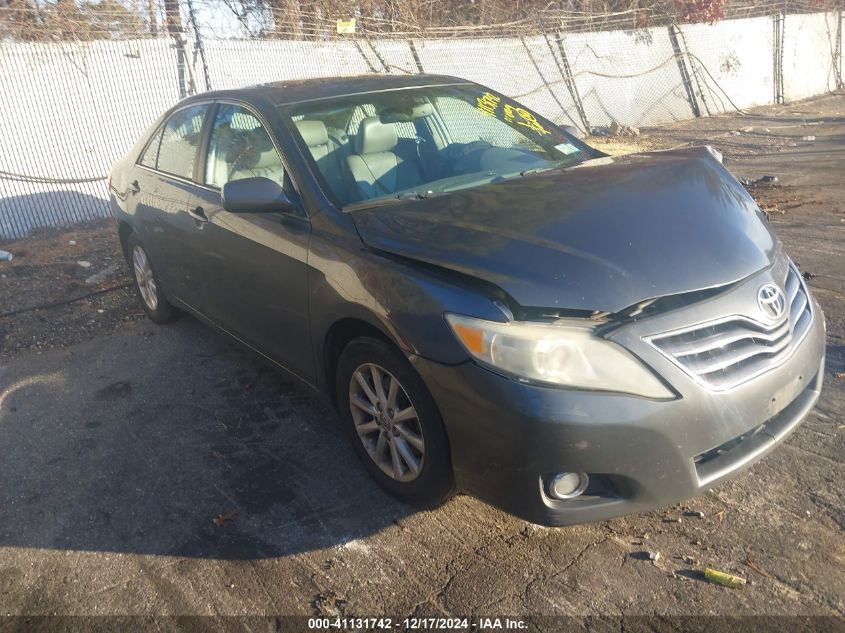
(724, 353)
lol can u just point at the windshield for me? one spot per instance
(419, 142)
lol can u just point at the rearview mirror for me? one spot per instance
(255, 195)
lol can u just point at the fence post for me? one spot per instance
(565, 71)
(682, 68)
(416, 56)
(837, 54)
(198, 46)
(778, 22)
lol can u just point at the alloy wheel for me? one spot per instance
(386, 422)
(144, 278)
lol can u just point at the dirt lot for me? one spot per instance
(161, 470)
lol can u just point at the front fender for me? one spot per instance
(403, 300)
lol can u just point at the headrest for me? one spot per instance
(314, 133)
(406, 114)
(375, 136)
(422, 110)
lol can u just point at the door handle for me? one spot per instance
(134, 187)
(198, 213)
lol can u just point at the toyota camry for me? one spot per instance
(491, 305)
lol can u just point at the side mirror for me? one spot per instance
(574, 131)
(255, 195)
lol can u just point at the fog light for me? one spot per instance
(568, 485)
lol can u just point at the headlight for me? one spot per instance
(564, 353)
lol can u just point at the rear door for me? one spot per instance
(253, 265)
(163, 188)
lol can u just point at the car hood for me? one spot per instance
(603, 235)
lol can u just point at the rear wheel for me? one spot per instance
(147, 285)
(393, 422)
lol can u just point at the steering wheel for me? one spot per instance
(457, 155)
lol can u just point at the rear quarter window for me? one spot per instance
(150, 156)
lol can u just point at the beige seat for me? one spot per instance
(254, 155)
(326, 152)
(375, 167)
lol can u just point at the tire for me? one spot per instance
(147, 285)
(433, 482)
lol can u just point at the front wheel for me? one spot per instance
(147, 285)
(394, 424)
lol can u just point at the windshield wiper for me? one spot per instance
(537, 170)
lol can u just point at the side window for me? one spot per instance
(150, 155)
(179, 141)
(240, 147)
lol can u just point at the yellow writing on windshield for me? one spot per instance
(527, 119)
(488, 104)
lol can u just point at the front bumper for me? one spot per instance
(506, 435)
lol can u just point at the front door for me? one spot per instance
(254, 279)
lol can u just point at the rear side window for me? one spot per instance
(179, 141)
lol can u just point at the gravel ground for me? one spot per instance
(162, 471)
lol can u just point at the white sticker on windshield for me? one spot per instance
(566, 148)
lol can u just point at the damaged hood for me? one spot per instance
(604, 235)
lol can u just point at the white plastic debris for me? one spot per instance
(809, 138)
(84, 264)
(72, 242)
(5, 256)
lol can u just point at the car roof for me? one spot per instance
(287, 92)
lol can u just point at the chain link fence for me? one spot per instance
(78, 86)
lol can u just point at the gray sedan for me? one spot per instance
(491, 305)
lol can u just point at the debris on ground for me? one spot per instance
(689, 560)
(615, 129)
(756, 182)
(5, 256)
(653, 556)
(71, 242)
(724, 579)
(84, 263)
(720, 515)
(672, 520)
(808, 138)
(752, 565)
(839, 374)
(105, 273)
(223, 519)
(698, 514)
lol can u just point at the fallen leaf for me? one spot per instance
(752, 565)
(221, 520)
(720, 515)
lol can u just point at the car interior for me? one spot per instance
(368, 157)
(416, 145)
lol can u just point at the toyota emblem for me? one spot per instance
(771, 301)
